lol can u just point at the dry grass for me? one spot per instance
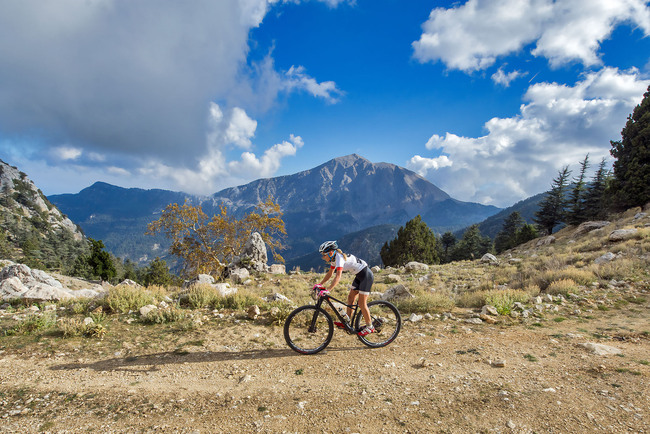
(427, 302)
(562, 287)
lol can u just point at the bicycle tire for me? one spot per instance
(297, 333)
(387, 322)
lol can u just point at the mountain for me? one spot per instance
(342, 196)
(34, 231)
(349, 194)
(119, 217)
(365, 244)
(493, 224)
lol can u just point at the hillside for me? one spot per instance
(563, 348)
(33, 230)
(342, 196)
(119, 217)
(492, 225)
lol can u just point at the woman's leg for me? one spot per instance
(363, 305)
(351, 297)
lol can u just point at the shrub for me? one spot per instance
(504, 300)
(579, 276)
(125, 298)
(162, 316)
(205, 295)
(71, 327)
(562, 286)
(35, 323)
(426, 302)
(201, 295)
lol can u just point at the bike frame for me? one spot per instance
(327, 298)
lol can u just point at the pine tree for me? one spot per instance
(448, 240)
(631, 184)
(507, 237)
(526, 233)
(577, 212)
(473, 245)
(595, 206)
(552, 209)
(414, 242)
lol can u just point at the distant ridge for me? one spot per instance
(344, 195)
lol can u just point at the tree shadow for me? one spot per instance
(152, 362)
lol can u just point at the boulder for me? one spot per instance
(622, 234)
(224, 289)
(489, 258)
(397, 292)
(253, 312)
(239, 275)
(277, 297)
(199, 280)
(43, 292)
(600, 349)
(376, 269)
(607, 257)
(416, 266)
(11, 288)
(145, 310)
(392, 278)
(278, 269)
(489, 310)
(588, 227)
(546, 241)
(254, 256)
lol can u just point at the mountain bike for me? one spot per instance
(309, 329)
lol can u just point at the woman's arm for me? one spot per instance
(327, 276)
(339, 272)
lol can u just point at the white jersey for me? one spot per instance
(352, 264)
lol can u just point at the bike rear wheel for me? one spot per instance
(387, 322)
(308, 329)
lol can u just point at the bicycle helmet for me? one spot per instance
(327, 247)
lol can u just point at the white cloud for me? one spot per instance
(252, 167)
(423, 165)
(67, 153)
(472, 36)
(505, 78)
(297, 79)
(128, 84)
(557, 126)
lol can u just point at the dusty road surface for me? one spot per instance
(438, 376)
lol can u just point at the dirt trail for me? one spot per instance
(436, 377)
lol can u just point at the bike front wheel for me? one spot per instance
(308, 329)
(387, 322)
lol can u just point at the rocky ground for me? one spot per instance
(237, 375)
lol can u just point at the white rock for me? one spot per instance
(397, 292)
(489, 258)
(489, 310)
(607, 257)
(415, 317)
(278, 269)
(144, 310)
(416, 266)
(600, 349)
(622, 234)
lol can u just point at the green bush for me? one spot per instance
(162, 316)
(126, 298)
(426, 302)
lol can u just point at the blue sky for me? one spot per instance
(487, 99)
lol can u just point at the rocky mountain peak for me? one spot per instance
(20, 199)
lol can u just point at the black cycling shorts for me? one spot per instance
(363, 281)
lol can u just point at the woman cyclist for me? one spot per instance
(340, 262)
